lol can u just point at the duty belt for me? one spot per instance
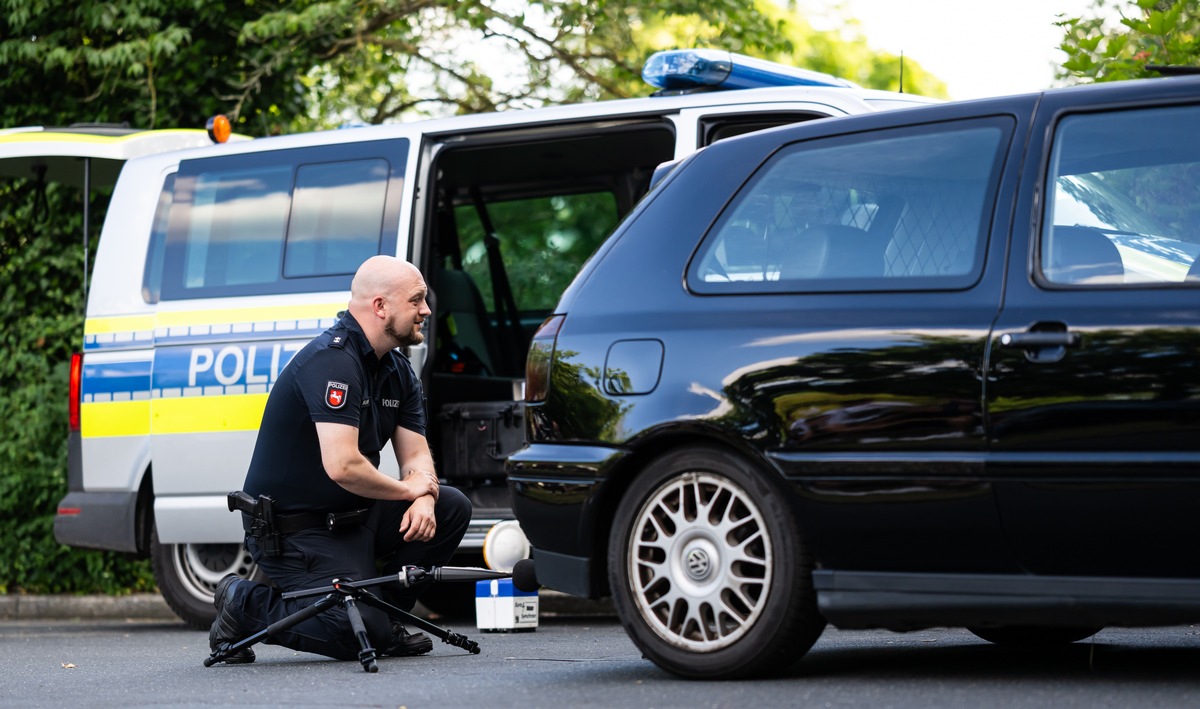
(301, 521)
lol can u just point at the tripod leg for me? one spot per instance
(448, 636)
(275, 628)
(367, 654)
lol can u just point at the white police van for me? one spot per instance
(216, 265)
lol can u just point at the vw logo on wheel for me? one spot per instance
(698, 564)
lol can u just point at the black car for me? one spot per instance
(933, 367)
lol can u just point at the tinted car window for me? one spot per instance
(1123, 212)
(895, 209)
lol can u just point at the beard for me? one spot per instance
(412, 336)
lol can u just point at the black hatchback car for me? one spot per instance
(931, 367)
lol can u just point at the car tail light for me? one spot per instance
(541, 359)
(76, 389)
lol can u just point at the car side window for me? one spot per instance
(1120, 201)
(899, 209)
(285, 221)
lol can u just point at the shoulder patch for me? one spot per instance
(336, 394)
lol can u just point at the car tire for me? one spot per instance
(709, 574)
(1028, 636)
(187, 575)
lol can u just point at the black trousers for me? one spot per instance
(315, 557)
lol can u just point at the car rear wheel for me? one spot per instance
(1033, 636)
(187, 575)
(710, 576)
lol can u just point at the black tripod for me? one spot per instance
(349, 593)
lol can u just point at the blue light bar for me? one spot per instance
(718, 69)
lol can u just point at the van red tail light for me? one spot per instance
(541, 359)
(76, 389)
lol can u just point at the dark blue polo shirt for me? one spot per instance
(336, 378)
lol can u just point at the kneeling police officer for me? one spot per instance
(331, 411)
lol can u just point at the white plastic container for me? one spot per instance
(499, 606)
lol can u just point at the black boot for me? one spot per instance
(406, 644)
(226, 629)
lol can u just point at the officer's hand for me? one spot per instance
(418, 523)
(421, 483)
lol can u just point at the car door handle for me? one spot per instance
(1032, 340)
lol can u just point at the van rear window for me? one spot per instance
(284, 221)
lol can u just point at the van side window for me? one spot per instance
(285, 221)
(721, 126)
(1123, 213)
(337, 213)
(237, 225)
(902, 209)
(152, 275)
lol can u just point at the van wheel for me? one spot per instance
(709, 573)
(1028, 636)
(187, 575)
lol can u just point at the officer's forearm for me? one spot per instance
(348, 467)
(416, 462)
(363, 479)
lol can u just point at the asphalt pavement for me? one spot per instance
(150, 606)
(591, 664)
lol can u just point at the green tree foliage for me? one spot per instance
(466, 56)
(1118, 39)
(315, 63)
(422, 57)
(41, 323)
(148, 63)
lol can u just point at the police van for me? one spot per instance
(216, 265)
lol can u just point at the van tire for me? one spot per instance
(187, 575)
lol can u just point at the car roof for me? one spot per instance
(1112, 94)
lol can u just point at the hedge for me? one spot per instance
(41, 324)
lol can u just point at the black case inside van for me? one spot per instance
(477, 437)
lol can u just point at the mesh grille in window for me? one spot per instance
(937, 232)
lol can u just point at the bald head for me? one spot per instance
(380, 275)
(387, 298)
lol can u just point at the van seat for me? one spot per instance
(463, 318)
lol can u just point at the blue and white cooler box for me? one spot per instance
(500, 606)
